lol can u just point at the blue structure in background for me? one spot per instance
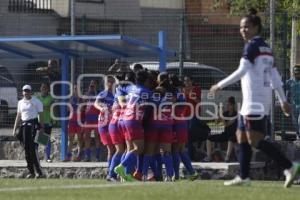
(87, 46)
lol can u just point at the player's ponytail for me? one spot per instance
(254, 19)
(252, 11)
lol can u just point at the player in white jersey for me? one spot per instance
(258, 77)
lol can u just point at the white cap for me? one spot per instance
(26, 87)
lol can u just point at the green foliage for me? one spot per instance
(241, 7)
(292, 7)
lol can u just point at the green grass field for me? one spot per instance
(98, 189)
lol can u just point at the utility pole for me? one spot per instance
(293, 40)
(272, 42)
(73, 32)
(181, 40)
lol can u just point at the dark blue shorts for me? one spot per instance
(257, 123)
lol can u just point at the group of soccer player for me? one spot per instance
(142, 126)
(143, 120)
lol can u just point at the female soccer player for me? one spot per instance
(116, 126)
(161, 132)
(74, 125)
(91, 122)
(258, 77)
(104, 102)
(136, 96)
(180, 129)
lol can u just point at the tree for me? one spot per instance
(289, 8)
(242, 6)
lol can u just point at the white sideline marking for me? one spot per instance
(74, 186)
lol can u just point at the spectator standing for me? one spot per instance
(46, 100)
(293, 93)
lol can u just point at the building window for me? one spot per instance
(30, 6)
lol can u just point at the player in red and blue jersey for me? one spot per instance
(159, 130)
(91, 122)
(136, 96)
(104, 102)
(116, 126)
(180, 129)
(74, 125)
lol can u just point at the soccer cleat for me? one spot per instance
(111, 179)
(169, 179)
(174, 178)
(194, 176)
(290, 174)
(30, 176)
(38, 176)
(238, 181)
(120, 170)
(151, 179)
(129, 178)
(137, 175)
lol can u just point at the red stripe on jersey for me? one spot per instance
(263, 54)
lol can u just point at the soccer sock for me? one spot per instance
(123, 156)
(271, 151)
(115, 161)
(88, 153)
(140, 163)
(245, 155)
(158, 159)
(109, 162)
(176, 164)
(146, 163)
(168, 161)
(187, 162)
(98, 151)
(129, 162)
(48, 150)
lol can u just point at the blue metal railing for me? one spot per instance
(30, 6)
